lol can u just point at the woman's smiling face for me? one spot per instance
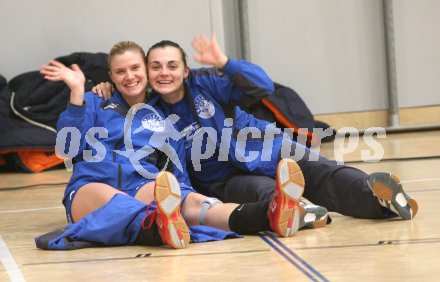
(166, 73)
(128, 72)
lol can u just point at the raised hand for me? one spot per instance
(73, 77)
(55, 71)
(208, 51)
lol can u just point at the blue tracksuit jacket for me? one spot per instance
(122, 147)
(213, 152)
(124, 154)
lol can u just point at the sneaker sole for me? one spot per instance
(167, 195)
(313, 223)
(290, 181)
(387, 188)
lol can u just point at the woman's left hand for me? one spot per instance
(208, 52)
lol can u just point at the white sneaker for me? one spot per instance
(387, 188)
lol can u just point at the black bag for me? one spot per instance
(29, 109)
(286, 108)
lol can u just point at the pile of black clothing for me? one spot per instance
(29, 110)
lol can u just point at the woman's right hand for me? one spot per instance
(73, 77)
(103, 89)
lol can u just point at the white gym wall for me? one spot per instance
(331, 52)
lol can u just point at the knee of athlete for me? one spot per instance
(205, 206)
(190, 208)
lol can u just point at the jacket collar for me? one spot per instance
(154, 98)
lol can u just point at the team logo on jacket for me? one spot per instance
(204, 107)
(153, 122)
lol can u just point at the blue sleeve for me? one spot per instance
(75, 119)
(242, 82)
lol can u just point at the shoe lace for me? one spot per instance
(152, 215)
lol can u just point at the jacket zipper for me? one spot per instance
(117, 145)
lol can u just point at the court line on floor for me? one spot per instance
(34, 186)
(292, 257)
(422, 190)
(148, 255)
(32, 210)
(420, 180)
(374, 161)
(9, 263)
(378, 244)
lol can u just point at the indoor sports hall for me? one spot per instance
(363, 78)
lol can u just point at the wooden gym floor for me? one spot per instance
(349, 249)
